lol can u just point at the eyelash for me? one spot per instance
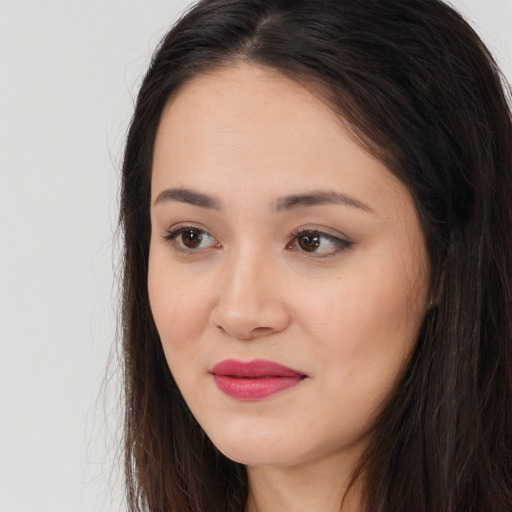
(173, 233)
(339, 244)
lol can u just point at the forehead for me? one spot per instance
(251, 125)
(233, 100)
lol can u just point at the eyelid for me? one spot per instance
(341, 241)
(182, 226)
(172, 233)
(338, 240)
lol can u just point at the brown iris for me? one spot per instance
(191, 238)
(309, 242)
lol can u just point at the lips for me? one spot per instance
(255, 379)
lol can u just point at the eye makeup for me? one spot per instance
(189, 238)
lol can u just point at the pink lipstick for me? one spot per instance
(255, 379)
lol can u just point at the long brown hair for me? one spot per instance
(421, 92)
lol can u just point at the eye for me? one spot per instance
(190, 238)
(317, 242)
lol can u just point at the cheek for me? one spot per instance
(179, 305)
(368, 322)
(359, 313)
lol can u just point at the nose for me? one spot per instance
(250, 302)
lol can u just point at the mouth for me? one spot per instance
(254, 380)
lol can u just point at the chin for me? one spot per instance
(277, 452)
(258, 457)
(257, 452)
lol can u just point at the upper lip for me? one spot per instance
(253, 369)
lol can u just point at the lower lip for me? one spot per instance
(254, 388)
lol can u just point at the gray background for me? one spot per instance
(69, 72)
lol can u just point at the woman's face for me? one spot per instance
(278, 241)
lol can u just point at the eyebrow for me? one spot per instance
(291, 202)
(192, 197)
(319, 197)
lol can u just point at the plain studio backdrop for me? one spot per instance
(69, 73)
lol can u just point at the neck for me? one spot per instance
(314, 487)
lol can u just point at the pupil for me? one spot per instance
(191, 238)
(309, 243)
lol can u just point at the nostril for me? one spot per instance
(250, 316)
(262, 330)
(240, 334)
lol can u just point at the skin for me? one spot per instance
(346, 314)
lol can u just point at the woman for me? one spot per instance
(317, 298)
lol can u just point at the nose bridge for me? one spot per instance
(243, 268)
(248, 303)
